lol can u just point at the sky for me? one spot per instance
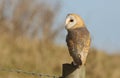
(102, 18)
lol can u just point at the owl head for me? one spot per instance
(73, 21)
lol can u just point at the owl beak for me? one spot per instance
(66, 26)
(66, 23)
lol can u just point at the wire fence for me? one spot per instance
(28, 73)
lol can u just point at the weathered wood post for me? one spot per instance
(70, 71)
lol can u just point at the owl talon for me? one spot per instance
(74, 64)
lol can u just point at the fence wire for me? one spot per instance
(28, 73)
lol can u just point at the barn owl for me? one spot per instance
(78, 39)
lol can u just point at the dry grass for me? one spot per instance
(102, 65)
(34, 55)
(27, 42)
(31, 55)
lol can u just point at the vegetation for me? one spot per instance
(22, 47)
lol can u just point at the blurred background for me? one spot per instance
(32, 36)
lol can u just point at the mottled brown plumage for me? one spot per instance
(78, 41)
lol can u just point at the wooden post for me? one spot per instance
(70, 71)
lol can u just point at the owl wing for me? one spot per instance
(73, 50)
(83, 45)
(78, 43)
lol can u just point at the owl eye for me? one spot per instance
(71, 20)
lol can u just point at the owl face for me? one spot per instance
(70, 21)
(73, 21)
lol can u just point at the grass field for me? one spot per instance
(38, 56)
(27, 36)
